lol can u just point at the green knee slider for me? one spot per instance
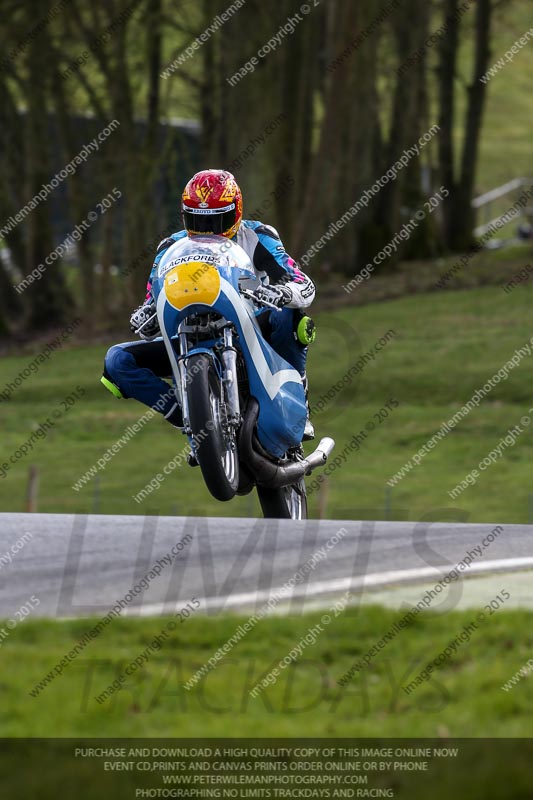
(113, 388)
(306, 331)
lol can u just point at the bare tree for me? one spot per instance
(458, 213)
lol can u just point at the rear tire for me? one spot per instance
(289, 502)
(216, 451)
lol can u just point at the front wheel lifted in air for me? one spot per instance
(214, 438)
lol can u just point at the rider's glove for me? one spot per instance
(144, 322)
(285, 296)
(278, 296)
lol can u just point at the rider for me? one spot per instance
(212, 204)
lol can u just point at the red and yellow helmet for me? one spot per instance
(212, 203)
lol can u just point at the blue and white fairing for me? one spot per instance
(203, 273)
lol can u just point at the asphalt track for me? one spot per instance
(83, 565)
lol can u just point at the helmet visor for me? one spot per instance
(215, 221)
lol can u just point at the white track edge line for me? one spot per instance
(376, 580)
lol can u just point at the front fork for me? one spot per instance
(182, 363)
(229, 377)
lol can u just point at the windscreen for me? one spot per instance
(216, 250)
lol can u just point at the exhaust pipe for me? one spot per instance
(275, 476)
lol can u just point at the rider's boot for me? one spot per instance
(175, 417)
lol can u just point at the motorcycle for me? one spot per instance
(243, 406)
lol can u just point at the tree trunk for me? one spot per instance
(12, 175)
(411, 31)
(457, 209)
(80, 198)
(49, 299)
(463, 213)
(448, 49)
(344, 162)
(247, 127)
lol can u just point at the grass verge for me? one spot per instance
(462, 698)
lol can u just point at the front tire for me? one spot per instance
(289, 502)
(214, 441)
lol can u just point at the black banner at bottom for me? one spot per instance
(128, 769)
